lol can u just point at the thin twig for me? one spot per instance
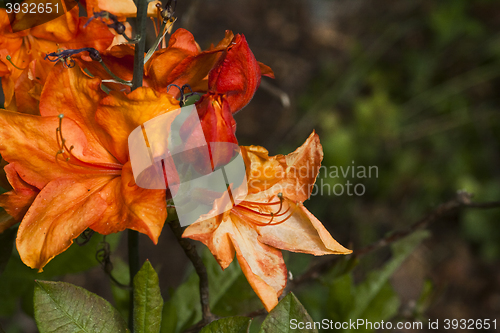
(462, 200)
(201, 270)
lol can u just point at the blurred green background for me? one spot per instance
(409, 87)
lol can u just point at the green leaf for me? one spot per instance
(286, 316)
(64, 308)
(17, 281)
(148, 302)
(228, 325)
(6, 245)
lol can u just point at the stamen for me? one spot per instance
(73, 161)
(9, 59)
(245, 208)
(183, 97)
(118, 26)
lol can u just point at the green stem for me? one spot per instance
(140, 47)
(133, 262)
(157, 42)
(119, 80)
(133, 236)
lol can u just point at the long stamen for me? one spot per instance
(244, 208)
(9, 59)
(74, 161)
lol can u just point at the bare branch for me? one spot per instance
(462, 200)
(201, 270)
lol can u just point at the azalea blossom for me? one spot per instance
(72, 172)
(269, 219)
(24, 75)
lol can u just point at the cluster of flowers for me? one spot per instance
(64, 130)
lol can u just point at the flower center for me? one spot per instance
(67, 156)
(262, 214)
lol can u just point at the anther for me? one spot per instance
(183, 97)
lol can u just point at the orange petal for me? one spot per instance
(132, 207)
(266, 70)
(302, 168)
(302, 232)
(180, 64)
(218, 125)
(236, 74)
(119, 59)
(29, 85)
(17, 201)
(6, 221)
(96, 34)
(262, 265)
(214, 234)
(180, 46)
(294, 174)
(119, 114)
(21, 57)
(61, 212)
(29, 143)
(4, 183)
(121, 8)
(70, 92)
(61, 29)
(262, 171)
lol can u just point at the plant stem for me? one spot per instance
(133, 263)
(140, 47)
(201, 270)
(133, 236)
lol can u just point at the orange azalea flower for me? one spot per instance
(270, 218)
(79, 164)
(33, 43)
